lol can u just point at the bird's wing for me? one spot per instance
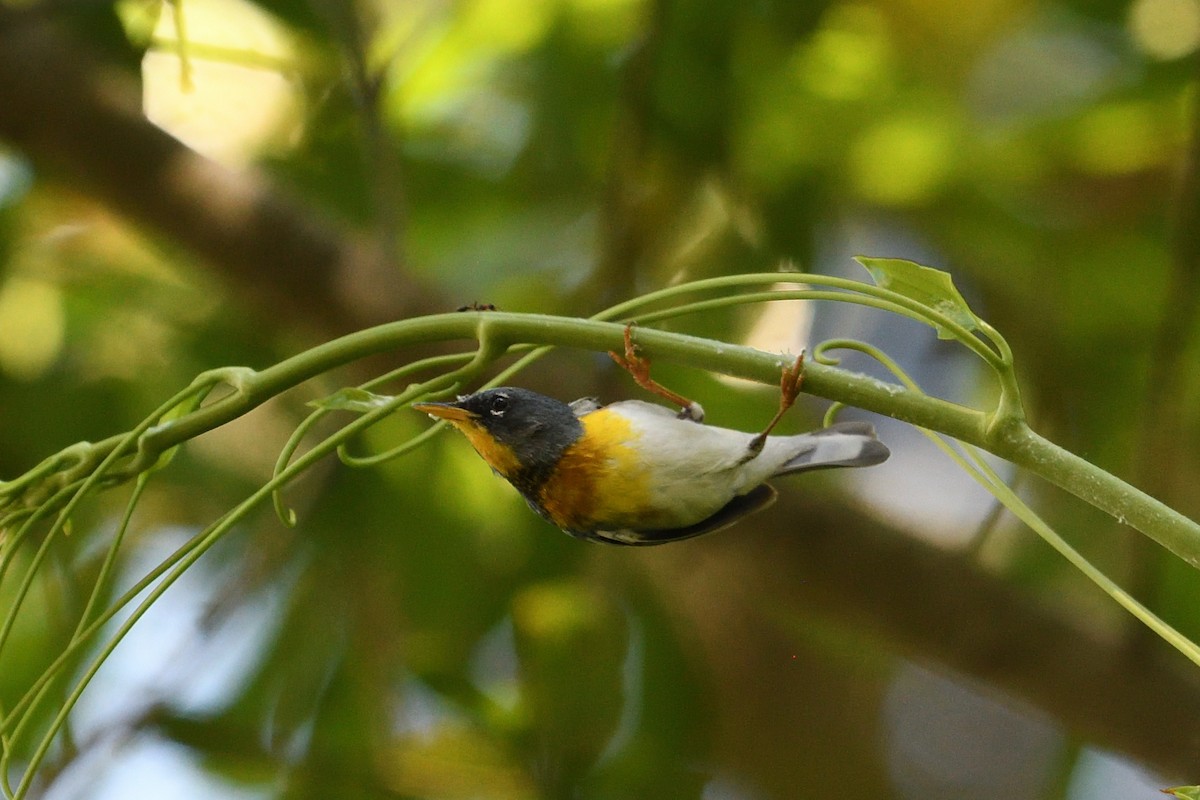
(585, 405)
(684, 450)
(756, 499)
(693, 413)
(642, 408)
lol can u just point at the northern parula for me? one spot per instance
(636, 473)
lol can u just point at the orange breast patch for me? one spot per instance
(599, 481)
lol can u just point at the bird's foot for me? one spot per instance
(789, 389)
(639, 367)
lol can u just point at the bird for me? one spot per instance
(637, 473)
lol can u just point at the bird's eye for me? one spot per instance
(499, 404)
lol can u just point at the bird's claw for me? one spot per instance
(790, 382)
(639, 368)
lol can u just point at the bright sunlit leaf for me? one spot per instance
(1165, 29)
(219, 77)
(32, 326)
(904, 161)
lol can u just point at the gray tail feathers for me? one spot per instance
(846, 444)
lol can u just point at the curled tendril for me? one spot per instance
(411, 395)
(839, 290)
(431, 388)
(285, 513)
(971, 461)
(62, 481)
(995, 352)
(405, 447)
(821, 356)
(831, 413)
(59, 483)
(416, 393)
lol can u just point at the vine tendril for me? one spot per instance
(50, 493)
(972, 462)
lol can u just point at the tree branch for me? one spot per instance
(81, 119)
(497, 331)
(928, 600)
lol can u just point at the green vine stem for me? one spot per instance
(983, 473)
(59, 483)
(162, 577)
(1011, 439)
(1003, 435)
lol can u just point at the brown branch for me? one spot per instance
(351, 26)
(631, 205)
(81, 120)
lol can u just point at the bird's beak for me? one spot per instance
(447, 411)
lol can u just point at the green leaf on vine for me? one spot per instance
(930, 287)
(1184, 792)
(360, 401)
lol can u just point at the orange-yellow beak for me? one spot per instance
(447, 411)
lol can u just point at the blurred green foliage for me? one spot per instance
(426, 636)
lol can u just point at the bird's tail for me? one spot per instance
(846, 444)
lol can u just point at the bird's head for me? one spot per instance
(512, 429)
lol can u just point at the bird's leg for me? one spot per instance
(789, 389)
(639, 368)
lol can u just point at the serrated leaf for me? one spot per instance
(1184, 792)
(360, 401)
(930, 287)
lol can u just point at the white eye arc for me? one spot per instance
(499, 405)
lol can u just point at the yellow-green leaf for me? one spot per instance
(353, 399)
(930, 287)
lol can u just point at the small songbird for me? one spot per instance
(636, 473)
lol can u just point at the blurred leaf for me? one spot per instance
(100, 25)
(1184, 792)
(455, 763)
(302, 15)
(543, 156)
(571, 641)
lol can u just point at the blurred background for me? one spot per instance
(200, 183)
